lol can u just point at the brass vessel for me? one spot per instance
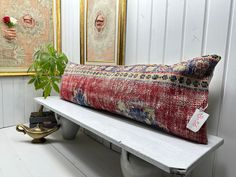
(37, 133)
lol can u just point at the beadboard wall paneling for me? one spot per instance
(225, 157)
(216, 38)
(19, 97)
(131, 32)
(16, 100)
(30, 94)
(215, 41)
(8, 103)
(157, 35)
(70, 29)
(28, 101)
(175, 16)
(144, 22)
(193, 28)
(1, 106)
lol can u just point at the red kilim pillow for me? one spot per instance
(161, 96)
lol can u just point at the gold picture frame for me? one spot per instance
(53, 8)
(102, 31)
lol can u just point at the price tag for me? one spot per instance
(197, 120)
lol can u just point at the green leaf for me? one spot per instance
(47, 91)
(31, 80)
(60, 69)
(51, 49)
(36, 53)
(52, 67)
(41, 85)
(36, 85)
(10, 24)
(56, 79)
(44, 57)
(45, 68)
(55, 87)
(30, 68)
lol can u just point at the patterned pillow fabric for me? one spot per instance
(161, 96)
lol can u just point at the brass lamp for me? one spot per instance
(37, 133)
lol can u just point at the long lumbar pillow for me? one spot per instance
(162, 96)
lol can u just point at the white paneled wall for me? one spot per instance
(193, 31)
(16, 100)
(131, 35)
(225, 158)
(70, 29)
(1, 106)
(160, 31)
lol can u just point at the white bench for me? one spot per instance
(168, 153)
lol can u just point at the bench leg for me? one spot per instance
(133, 166)
(69, 129)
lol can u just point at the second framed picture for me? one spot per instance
(102, 31)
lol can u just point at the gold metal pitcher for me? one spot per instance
(37, 133)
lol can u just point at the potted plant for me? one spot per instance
(48, 66)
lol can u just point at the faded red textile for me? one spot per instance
(161, 96)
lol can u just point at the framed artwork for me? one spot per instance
(36, 22)
(102, 31)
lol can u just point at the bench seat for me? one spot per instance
(167, 152)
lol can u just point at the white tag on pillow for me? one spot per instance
(197, 120)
